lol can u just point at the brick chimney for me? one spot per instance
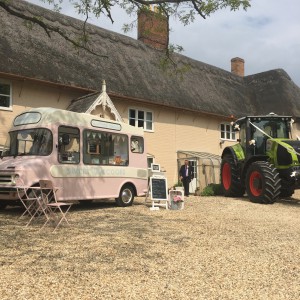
(153, 29)
(237, 66)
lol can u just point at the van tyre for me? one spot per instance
(230, 178)
(126, 196)
(263, 183)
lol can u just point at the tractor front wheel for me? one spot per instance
(230, 178)
(262, 183)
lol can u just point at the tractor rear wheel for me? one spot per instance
(230, 178)
(263, 183)
(286, 193)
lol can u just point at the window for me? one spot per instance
(137, 144)
(150, 161)
(227, 132)
(104, 148)
(36, 141)
(141, 118)
(68, 145)
(5, 95)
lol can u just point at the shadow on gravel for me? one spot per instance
(289, 201)
(285, 201)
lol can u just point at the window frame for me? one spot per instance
(62, 153)
(6, 82)
(137, 119)
(225, 131)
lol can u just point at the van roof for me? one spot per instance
(51, 116)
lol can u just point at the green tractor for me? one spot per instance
(266, 161)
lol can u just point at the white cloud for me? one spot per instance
(266, 36)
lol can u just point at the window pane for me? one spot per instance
(132, 122)
(140, 115)
(233, 135)
(141, 123)
(149, 125)
(149, 161)
(222, 127)
(149, 116)
(5, 89)
(222, 135)
(228, 128)
(68, 145)
(131, 113)
(137, 144)
(4, 101)
(228, 135)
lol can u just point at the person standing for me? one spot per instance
(186, 175)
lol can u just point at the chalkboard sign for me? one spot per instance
(158, 187)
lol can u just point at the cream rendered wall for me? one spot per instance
(175, 131)
(27, 94)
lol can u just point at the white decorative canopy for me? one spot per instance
(105, 101)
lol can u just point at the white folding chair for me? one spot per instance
(30, 198)
(56, 210)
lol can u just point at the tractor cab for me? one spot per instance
(254, 131)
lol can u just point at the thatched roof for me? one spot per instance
(133, 70)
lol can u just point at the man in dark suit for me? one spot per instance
(186, 175)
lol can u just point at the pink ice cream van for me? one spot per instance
(87, 157)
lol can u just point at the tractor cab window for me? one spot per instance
(264, 129)
(273, 128)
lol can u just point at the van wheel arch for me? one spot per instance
(126, 195)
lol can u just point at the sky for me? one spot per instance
(266, 36)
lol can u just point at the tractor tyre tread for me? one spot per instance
(272, 183)
(236, 188)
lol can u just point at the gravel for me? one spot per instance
(215, 248)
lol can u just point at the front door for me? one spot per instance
(193, 183)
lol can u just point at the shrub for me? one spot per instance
(212, 189)
(179, 183)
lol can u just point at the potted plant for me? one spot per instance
(178, 186)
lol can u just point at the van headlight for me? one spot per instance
(14, 179)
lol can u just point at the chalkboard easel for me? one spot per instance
(159, 191)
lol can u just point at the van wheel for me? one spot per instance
(126, 196)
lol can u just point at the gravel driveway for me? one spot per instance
(216, 248)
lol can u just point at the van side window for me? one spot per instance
(104, 148)
(68, 145)
(137, 144)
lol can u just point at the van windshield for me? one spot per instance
(37, 141)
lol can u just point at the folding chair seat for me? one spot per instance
(56, 210)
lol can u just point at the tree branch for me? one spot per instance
(47, 27)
